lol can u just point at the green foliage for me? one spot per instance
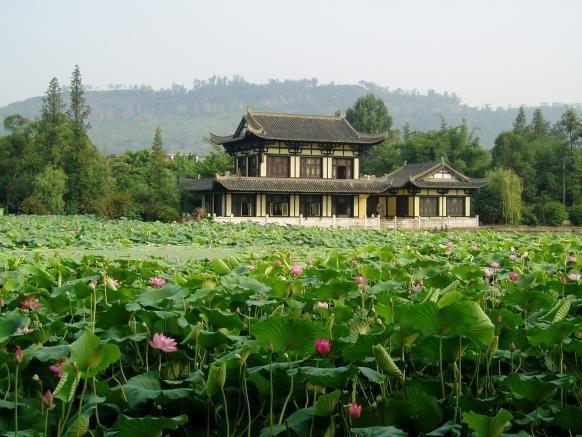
(529, 218)
(485, 426)
(575, 214)
(554, 214)
(245, 331)
(117, 205)
(50, 188)
(501, 200)
(33, 205)
(369, 115)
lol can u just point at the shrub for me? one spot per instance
(575, 214)
(554, 214)
(117, 205)
(529, 218)
(33, 205)
(160, 212)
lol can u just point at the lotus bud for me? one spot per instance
(36, 378)
(18, 355)
(355, 410)
(47, 399)
(512, 347)
(498, 319)
(493, 346)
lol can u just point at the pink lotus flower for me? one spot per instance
(57, 369)
(296, 270)
(514, 276)
(2, 303)
(416, 287)
(487, 272)
(166, 344)
(450, 244)
(359, 280)
(25, 330)
(512, 257)
(18, 355)
(157, 282)
(474, 247)
(277, 262)
(322, 346)
(30, 303)
(47, 399)
(572, 260)
(494, 265)
(322, 305)
(355, 410)
(574, 276)
(113, 283)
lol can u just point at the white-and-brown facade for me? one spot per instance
(308, 167)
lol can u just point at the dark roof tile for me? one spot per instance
(272, 126)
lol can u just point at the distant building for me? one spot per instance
(306, 169)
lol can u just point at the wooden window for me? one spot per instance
(342, 206)
(310, 206)
(456, 206)
(310, 167)
(429, 206)
(243, 205)
(253, 168)
(278, 166)
(241, 165)
(278, 205)
(247, 165)
(342, 168)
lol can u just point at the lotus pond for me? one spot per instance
(315, 333)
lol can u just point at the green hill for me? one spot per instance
(125, 119)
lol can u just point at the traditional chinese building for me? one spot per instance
(306, 169)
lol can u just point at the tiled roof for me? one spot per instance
(413, 174)
(286, 185)
(272, 126)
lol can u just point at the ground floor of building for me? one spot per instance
(400, 203)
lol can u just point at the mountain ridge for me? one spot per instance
(125, 119)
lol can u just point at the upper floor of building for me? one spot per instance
(297, 146)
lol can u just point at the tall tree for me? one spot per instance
(369, 115)
(157, 162)
(520, 123)
(513, 151)
(52, 128)
(86, 169)
(540, 127)
(571, 125)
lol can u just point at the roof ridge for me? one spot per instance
(295, 115)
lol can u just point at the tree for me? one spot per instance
(52, 128)
(87, 173)
(539, 126)
(520, 123)
(16, 172)
(49, 188)
(369, 115)
(157, 165)
(571, 125)
(500, 201)
(513, 151)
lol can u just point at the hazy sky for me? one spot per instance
(487, 51)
